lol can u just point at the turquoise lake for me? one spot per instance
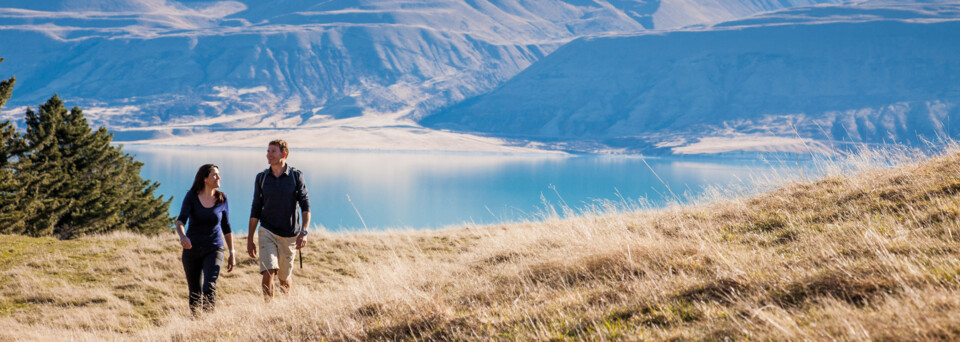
(380, 190)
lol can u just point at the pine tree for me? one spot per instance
(142, 211)
(39, 171)
(10, 195)
(76, 183)
(8, 132)
(6, 89)
(10, 149)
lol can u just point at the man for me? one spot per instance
(277, 192)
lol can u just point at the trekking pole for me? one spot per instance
(300, 252)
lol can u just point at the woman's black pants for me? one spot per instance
(202, 266)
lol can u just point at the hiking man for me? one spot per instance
(277, 193)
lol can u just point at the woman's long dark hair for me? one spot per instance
(198, 182)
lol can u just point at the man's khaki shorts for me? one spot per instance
(277, 253)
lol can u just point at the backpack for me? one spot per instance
(262, 177)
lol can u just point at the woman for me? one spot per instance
(206, 209)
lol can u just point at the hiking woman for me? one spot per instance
(205, 209)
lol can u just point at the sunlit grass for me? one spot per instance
(856, 250)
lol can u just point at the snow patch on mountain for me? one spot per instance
(752, 143)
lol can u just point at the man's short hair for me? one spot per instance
(284, 148)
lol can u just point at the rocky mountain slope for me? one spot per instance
(874, 72)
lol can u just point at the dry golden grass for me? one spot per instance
(872, 256)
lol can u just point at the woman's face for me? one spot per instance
(213, 178)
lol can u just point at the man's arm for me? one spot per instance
(304, 200)
(302, 238)
(255, 210)
(251, 246)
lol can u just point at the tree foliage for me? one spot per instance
(63, 179)
(6, 89)
(10, 147)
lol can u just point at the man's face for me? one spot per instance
(274, 156)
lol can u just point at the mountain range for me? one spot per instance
(874, 72)
(635, 75)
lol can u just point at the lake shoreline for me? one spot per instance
(430, 190)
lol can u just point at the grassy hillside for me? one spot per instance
(875, 255)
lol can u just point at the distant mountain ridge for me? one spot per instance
(289, 63)
(874, 72)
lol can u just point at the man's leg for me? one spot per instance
(285, 285)
(267, 284)
(286, 252)
(268, 262)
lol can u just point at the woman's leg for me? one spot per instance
(193, 268)
(212, 263)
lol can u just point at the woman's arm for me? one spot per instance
(232, 258)
(184, 240)
(228, 234)
(185, 209)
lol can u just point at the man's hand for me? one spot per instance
(231, 261)
(251, 248)
(301, 240)
(185, 242)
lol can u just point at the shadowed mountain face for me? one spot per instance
(873, 72)
(291, 63)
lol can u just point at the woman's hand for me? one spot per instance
(185, 242)
(231, 261)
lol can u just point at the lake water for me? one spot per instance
(353, 190)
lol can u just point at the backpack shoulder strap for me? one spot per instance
(262, 177)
